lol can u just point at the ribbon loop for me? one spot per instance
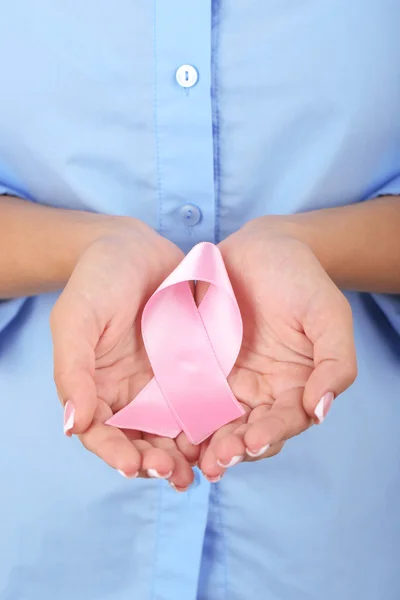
(191, 350)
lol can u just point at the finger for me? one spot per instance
(270, 426)
(141, 446)
(233, 446)
(75, 335)
(111, 445)
(189, 450)
(230, 449)
(329, 326)
(234, 450)
(271, 451)
(182, 475)
(157, 463)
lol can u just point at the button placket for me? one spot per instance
(184, 141)
(184, 121)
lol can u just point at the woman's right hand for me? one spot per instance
(100, 363)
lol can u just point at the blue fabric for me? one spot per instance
(296, 108)
(391, 188)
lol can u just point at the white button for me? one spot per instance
(187, 76)
(190, 214)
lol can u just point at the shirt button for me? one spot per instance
(190, 214)
(187, 76)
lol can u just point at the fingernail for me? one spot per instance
(257, 453)
(69, 418)
(178, 489)
(128, 476)
(234, 461)
(213, 479)
(323, 406)
(156, 475)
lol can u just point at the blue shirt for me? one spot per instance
(281, 107)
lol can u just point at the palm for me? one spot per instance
(274, 359)
(98, 327)
(122, 370)
(121, 367)
(276, 286)
(266, 370)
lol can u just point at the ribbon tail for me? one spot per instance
(148, 412)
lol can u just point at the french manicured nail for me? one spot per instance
(257, 453)
(234, 461)
(69, 418)
(156, 475)
(214, 479)
(323, 406)
(178, 489)
(128, 476)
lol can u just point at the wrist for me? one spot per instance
(303, 227)
(84, 230)
(41, 245)
(358, 245)
(130, 242)
(298, 227)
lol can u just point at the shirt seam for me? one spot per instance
(223, 540)
(216, 114)
(157, 534)
(159, 193)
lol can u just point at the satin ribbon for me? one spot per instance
(191, 350)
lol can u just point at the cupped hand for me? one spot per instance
(100, 363)
(298, 350)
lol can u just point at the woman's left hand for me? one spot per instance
(298, 349)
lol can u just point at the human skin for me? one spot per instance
(298, 348)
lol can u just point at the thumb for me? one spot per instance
(75, 335)
(329, 326)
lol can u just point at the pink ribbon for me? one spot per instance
(191, 350)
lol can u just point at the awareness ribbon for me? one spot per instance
(192, 350)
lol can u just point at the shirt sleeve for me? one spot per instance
(9, 308)
(392, 188)
(390, 304)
